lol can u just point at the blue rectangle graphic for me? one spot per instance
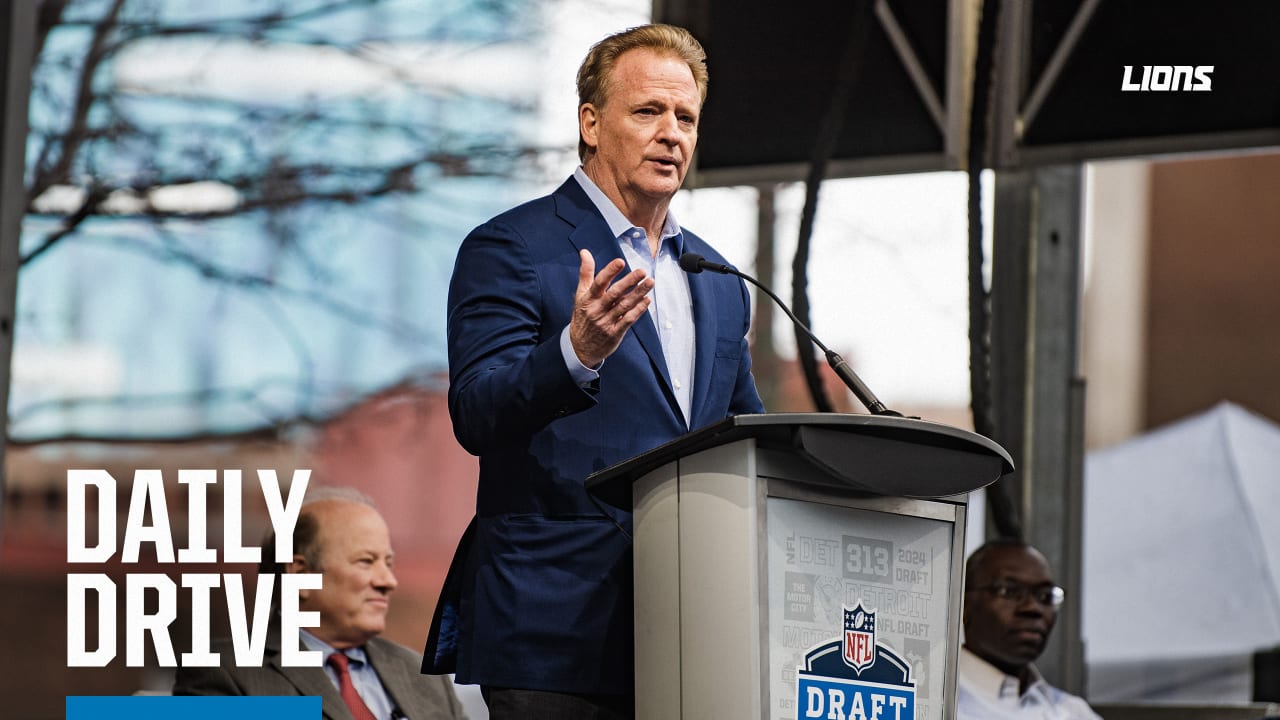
(155, 707)
(821, 698)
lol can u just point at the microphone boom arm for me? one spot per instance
(696, 263)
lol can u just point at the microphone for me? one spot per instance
(694, 263)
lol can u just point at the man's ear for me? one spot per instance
(299, 565)
(589, 124)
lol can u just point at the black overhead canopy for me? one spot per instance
(1086, 114)
(1058, 76)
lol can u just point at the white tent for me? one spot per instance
(1182, 559)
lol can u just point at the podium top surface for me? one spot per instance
(871, 454)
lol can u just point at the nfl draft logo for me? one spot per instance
(859, 638)
(854, 676)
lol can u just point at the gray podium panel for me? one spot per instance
(697, 588)
(824, 560)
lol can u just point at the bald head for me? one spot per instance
(348, 543)
(1010, 605)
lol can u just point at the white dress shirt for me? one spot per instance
(984, 692)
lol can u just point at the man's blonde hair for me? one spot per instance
(596, 72)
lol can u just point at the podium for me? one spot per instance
(800, 565)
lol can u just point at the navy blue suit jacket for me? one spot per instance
(540, 593)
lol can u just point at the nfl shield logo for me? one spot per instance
(859, 638)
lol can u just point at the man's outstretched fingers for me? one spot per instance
(586, 271)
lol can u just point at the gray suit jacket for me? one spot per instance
(418, 696)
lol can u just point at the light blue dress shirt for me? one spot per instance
(671, 307)
(363, 676)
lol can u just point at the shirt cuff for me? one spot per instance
(580, 373)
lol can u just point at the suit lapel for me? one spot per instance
(308, 680)
(702, 296)
(644, 333)
(592, 233)
(397, 683)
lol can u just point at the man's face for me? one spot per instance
(1006, 632)
(356, 574)
(645, 132)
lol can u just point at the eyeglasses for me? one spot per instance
(1050, 596)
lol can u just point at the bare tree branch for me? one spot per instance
(113, 149)
(74, 137)
(48, 16)
(69, 224)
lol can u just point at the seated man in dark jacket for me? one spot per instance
(342, 537)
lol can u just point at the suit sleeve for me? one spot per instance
(508, 378)
(746, 398)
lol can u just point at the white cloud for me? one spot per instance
(67, 369)
(197, 197)
(285, 74)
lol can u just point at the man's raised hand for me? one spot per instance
(603, 310)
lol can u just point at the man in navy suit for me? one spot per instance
(576, 342)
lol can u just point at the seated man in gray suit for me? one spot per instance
(342, 537)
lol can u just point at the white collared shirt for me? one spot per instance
(984, 692)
